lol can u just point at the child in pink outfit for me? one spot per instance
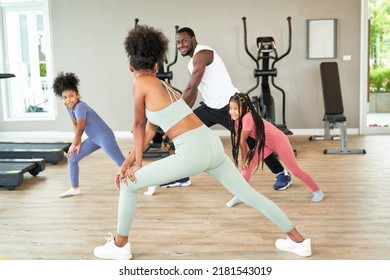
(257, 138)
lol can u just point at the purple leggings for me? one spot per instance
(88, 146)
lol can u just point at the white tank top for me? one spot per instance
(216, 85)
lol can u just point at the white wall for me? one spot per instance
(88, 39)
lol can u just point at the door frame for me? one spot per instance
(364, 79)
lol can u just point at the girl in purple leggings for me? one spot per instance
(257, 138)
(84, 119)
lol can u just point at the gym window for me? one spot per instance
(25, 46)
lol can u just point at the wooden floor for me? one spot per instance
(193, 223)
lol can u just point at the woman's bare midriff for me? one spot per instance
(188, 123)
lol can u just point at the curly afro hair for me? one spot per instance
(67, 81)
(145, 46)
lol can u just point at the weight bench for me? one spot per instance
(334, 110)
(11, 171)
(50, 152)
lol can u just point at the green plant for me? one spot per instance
(379, 33)
(379, 80)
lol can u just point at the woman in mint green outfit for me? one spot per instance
(197, 149)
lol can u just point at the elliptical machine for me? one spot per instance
(266, 51)
(160, 147)
(167, 75)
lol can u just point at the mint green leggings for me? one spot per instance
(196, 151)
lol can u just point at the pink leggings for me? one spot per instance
(276, 141)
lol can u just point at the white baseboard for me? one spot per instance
(30, 135)
(27, 135)
(320, 131)
(309, 132)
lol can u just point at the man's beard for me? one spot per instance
(187, 53)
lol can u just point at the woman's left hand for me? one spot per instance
(130, 172)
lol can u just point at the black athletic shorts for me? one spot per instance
(210, 116)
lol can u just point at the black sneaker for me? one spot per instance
(185, 182)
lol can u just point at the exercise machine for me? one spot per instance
(167, 75)
(51, 152)
(39, 163)
(6, 75)
(17, 158)
(268, 55)
(160, 147)
(11, 174)
(12, 171)
(334, 110)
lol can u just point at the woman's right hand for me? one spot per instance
(120, 177)
(117, 180)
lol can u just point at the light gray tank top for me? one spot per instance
(170, 115)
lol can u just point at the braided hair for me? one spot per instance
(245, 105)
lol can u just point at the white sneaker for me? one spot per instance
(151, 190)
(302, 249)
(70, 192)
(110, 251)
(318, 196)
(235, 200)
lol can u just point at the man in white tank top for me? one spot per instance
(210, 77)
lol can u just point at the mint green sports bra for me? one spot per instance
(170, 115)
